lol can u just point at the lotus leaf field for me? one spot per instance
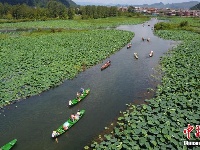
(32, 64)
(160, 124)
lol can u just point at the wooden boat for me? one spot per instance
(9, 145)
(106, 65)
(136, 56)
(77, 100)
(62, 129)
(129, 46)
(151, 54)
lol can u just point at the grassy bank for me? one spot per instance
(160, 124)
(75, 24)
(180, 23)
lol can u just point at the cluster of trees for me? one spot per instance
(55, 9)
(97, 12)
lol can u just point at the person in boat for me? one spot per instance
(142, 39)
(82, 90)
(87, 91)
(72, 117)
(78, 94)
(77, 116)
(55, 133)
(106, 64)
(66, 125)
(78, 112)
(129, 45)
(148, 39)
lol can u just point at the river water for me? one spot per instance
(32, 121)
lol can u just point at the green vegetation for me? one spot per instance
(38, 3)
(57, 10)
(32, 64)
(176, 20)
(160, 124)
(75, 24)
(180, 23)
(46, 52)
(53, 9)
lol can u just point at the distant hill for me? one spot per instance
(185, 5)
(196, 7)
(90, 3)
(41, 3)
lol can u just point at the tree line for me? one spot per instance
(55, 9)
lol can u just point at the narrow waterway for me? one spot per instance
(32, 121)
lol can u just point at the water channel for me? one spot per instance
(32, 121)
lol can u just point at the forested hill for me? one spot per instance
(196, 7)
(38, 3)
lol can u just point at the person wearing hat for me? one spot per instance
(66, 125)
(54, 134)
(73, 117)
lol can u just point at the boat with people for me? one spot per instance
(136, 55)
(74, 118)
(129, 45)
(151, 54)
(106, 65)
(80, 96)
(9, 145)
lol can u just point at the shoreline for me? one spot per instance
(148, 94)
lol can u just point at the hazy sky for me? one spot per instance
(133, 2)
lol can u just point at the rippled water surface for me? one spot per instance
(32, 121)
